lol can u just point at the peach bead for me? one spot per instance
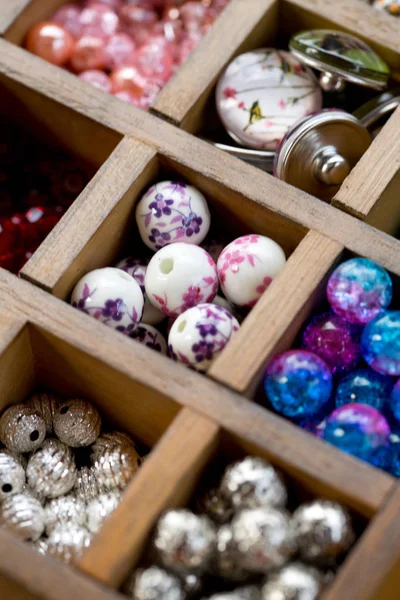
(128, 79)
(51, 42)
(97, 78)
(120, 49)
(89, 54)
(68, 16)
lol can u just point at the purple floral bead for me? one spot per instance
(150, 337)
(200, 334)
(172, 212)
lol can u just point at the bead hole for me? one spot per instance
(64, 410)
(182, 326)
(7, 488)
(34, 436)
(166, 265)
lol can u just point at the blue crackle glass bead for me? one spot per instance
(394, 401)
(358, 290)
(364, 386)
(380, 343)
(395, 450)
(357, 429)
(298, 383)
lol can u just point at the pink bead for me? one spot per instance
(138, 21)
(193, 15)
(50, 41)
(127, 96)
(97, 78)
(187, 45)
(155, 60)
(99, 20)
(69, 17)
(120, 49)
(115, 5)
(219, 5)
(128, 79)
(89, 54)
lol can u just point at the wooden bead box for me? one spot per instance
(189, 419)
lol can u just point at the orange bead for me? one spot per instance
(51, 42)
(128, 79)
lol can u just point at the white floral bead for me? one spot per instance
(180, 276)
(247, 266)
(137, 267)
(111, 296)
(150, 337)
(172, 212)
(200, 334)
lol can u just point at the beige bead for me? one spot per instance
(77, 423)
(51, 470)
(23, 515)
(106, 441)
(22, 429)
(86, 487)
(47, 405)
(114, 468)
(67, 542)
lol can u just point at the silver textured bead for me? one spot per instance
(192, 584)
(263, 538)
(23, 515)
(294, 582)
(51, 470)
(46, 404)
(41, 546)
(12, 474)
(155, 584)
(250, 592)
(252, 483)
(30, 492)
(109, 440)
(77, 423)
(323, 530)
(86, 487)
(185, 542)
(114, 467)
(65, 509)
(100, 508)
(67, 542)
(22, 429)
(226, 564)
(215, 505)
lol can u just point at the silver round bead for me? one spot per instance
(77, 423)
(28, 491)
(23, 515)
(68, 541)
(192, 584)
(22, 429)
(51, 470)
(65, 509)
(250, 592)
(107, 441)
(86, 487)
(215, 505)
(294, 582)
(41, 546)
(12, 474)
(155, 584)
(253, 483)
(226, 564)
(46, 404)
(100, 508)
(185, 542)
(323, 530)
(114, 467)
(263, 538)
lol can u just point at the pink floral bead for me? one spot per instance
(89, 54)
(69, 17)
(247, 266)
(120, 50)
(200, 334)
(172, 211)
(99, 20)
(97, 78)
(180, 276)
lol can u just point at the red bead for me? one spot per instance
(51, 42)
(98, 20)
(120, 51)
(89, 54)
(68, 16)
(97, 78)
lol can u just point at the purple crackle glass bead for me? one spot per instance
(298, 383)
(358, 290)
(380, 343)
(364, 386)
(357, 429)
(334, 340)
